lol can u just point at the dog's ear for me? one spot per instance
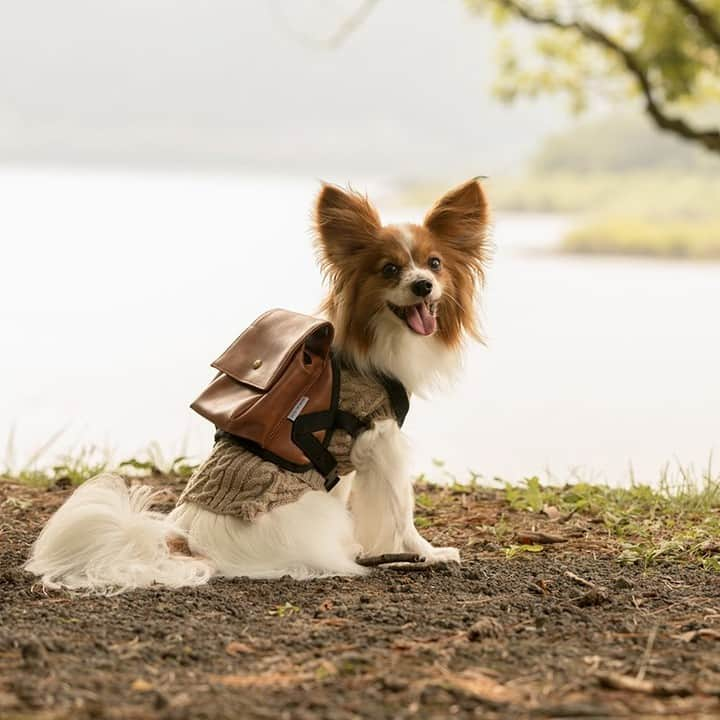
(460, 219)
(345, 223)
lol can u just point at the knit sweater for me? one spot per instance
(235, 481)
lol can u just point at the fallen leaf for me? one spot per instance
(334, 621)
(325, 669)
(552, 512)
(481, 686)
(237, 648)
(8, 700)
(142, 686)
(691, 635)
(270, 679)
(615, 681)
(514, 550)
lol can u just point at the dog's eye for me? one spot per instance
(390, 270)
(434, 263)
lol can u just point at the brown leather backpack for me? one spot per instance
(277, 392)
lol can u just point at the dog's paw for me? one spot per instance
(437, 555)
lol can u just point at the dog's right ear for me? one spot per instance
(345, 223)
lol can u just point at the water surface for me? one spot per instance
(119, 288)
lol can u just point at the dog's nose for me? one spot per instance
(422, 288)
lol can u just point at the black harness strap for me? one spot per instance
(350, 423)
(398, 397)
(321, 458)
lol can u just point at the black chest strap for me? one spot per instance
(398, 398)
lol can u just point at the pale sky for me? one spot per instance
(235, 82)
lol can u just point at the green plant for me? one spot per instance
(285, 610)
(529, 496)
(515, 550)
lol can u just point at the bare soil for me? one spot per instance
(568, 632)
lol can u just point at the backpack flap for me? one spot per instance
(281, 359)
(260, 355)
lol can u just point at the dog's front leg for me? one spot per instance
(383, 499)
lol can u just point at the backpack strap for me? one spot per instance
(336, 419)
(398, 397)
(321, 458)
(329, 420)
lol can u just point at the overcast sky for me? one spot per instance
(248, 83)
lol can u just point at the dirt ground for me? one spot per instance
(568, 632)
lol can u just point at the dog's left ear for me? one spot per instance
(460, 219)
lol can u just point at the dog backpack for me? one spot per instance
(277, 391)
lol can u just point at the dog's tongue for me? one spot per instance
(420, 320)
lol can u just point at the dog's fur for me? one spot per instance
(402, 299)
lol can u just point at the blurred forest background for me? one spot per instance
(393, 90)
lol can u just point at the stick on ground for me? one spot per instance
(376, 560)
(580, 580)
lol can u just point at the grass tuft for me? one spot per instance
(678, 521)
(74, 468)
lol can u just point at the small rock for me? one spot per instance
(596, 596)
(483, 629)
(395, 684)
(33, 653)
(160, 700)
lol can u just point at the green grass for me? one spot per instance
(678, 521)
(644, 213)
(645, 194)
(76, 467)
(658, 195)
(651, 214)
(633, 236)
(286, 610)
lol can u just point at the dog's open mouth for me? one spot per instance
(420, 318)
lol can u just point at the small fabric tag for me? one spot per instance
(299, 405)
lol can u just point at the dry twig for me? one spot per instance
(387, 558)
(538, 538)
(578, 579)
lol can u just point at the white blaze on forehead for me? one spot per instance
(408, 236)
(402, 295)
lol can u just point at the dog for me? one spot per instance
(402, 299)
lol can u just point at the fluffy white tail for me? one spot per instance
(105, 539)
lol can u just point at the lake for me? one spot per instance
(118, 289)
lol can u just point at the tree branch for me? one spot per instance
(341, 33)
(703, 18)
(710, 139)
(352, 23)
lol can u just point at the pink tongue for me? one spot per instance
(420, 320)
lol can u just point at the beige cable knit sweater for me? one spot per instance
(235, 481)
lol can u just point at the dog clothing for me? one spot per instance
(236, 481)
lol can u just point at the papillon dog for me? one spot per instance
(402, 299)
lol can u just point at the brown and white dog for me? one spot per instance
(402, 300)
